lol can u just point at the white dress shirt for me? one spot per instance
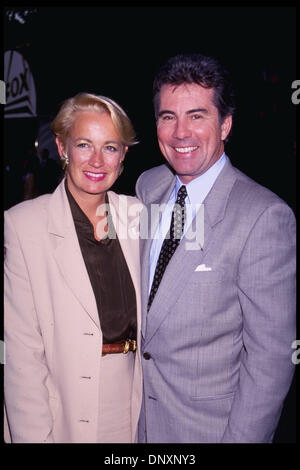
(197, 191)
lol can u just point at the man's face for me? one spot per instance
(189, 132)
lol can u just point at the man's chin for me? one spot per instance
(186, 172)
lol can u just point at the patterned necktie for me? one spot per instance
(171, 241)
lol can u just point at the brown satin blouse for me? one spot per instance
(109, 276)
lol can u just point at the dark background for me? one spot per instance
(116, 51)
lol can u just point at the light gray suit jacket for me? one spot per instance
(219, 338)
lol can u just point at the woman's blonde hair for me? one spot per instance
(64, 119)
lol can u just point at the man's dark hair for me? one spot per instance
(197, 68)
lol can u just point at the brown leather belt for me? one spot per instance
(119, 347)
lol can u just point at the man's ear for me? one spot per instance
(226, 126)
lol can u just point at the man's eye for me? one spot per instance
(167, 117)
(196, 116)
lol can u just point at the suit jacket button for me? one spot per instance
(147, 356)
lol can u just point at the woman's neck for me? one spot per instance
(93, 205)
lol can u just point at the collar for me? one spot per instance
(83, 224)
(198, 188)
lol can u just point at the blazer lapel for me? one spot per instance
(126, 223)
(67, 252)
(181, 264)
(125, 215)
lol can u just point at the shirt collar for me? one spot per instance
(198, 188)
(77, 212)
(82, 223)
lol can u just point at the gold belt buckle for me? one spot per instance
(127, 345)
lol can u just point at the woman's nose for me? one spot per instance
(96, 158)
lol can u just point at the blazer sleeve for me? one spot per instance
(25, 373)
(267, 291)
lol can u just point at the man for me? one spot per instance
(219, 304)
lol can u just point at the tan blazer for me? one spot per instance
(52, 332)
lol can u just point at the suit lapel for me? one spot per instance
(67, 252)
(150, 219)
(185, 259)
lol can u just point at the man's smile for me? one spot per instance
(185, 149)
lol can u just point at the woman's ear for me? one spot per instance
(60, 147)
(124, 153)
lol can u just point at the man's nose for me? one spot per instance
(181, 130)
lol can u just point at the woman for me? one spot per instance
(72, 294)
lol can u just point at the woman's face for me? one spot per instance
(95, 152)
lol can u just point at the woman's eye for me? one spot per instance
(111, 148)
(83, 145)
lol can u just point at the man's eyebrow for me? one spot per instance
(198, 110)
(165, 111)
(190, 111)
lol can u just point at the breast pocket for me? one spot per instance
(208, 295)
(205, 290)
(207, 276)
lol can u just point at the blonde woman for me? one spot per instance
(72, 293)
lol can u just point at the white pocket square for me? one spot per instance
(202, 267)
